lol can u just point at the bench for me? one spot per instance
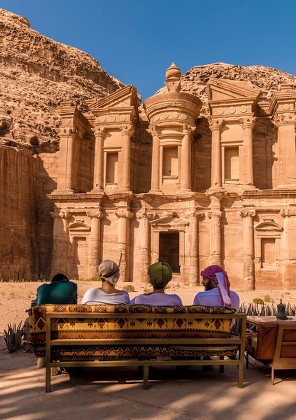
(272, 342)
(137, 335)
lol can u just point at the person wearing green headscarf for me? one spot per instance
(160, 274)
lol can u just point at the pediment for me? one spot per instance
(268, 226)
(79, 227)
(225, 90)
(122, 98)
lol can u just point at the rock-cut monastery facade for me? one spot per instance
(142, 183)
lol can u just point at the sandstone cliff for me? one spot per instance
(36, 75)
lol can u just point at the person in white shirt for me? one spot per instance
(160, 274)
(108, 272)
(217, 289)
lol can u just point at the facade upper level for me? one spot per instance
(165, 147)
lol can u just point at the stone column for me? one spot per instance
(248, 248)
(247, 124)
(186, 160)
(286, 150)
(60, 243)
(65, 172)
(191, 246)
(123, 241)
(98, 179)
(125, 161)
(216, 236)
(144, 249)
(155, 181)
(216, 179)
(94, 242)
(287, 248)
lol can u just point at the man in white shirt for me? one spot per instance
(217, 292)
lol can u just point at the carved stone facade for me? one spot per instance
(131, 186)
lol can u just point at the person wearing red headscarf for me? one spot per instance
(217, 289)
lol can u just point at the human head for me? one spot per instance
(60, 277)
(214, 276)
(108, 271)
(160, 273)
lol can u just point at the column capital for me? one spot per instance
(124, 214)
(194, 214)
(247, 122)
(284, 119)
(127, 130)
(94, 214)
(288, 212)
(215, 124)
(215, 214)
(100, 131)
(187, 129)
(247, 212)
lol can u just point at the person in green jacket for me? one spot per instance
(60, 290)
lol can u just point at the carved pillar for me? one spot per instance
(191, 246)
(65, 172)
(247, 124)
(155, 162)
(94, 242)
(248, 249)
(144, 248)
(287, 249)
(216, 154)
(216, 236)
(123, 241)
(286, 150)
(98, 180)
(60, 242)
(186, 160)
(125, 161)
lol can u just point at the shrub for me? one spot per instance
(13, 337)
(268, 298)
(258, 301)
(129, 288)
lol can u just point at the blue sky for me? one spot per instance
(137, 40)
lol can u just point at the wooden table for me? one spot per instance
(272, 341)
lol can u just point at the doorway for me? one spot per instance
(169, 249)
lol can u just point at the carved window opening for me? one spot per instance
(112, 168)
(268, 252)
(231, 164)
(170, 162)
(169, 249)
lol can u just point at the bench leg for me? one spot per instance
(48, 379)
(240, 375)
(221, 367)
(145, 377)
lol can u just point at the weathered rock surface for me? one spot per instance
(267, 79)
(36, 75)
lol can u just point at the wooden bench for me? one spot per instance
(272, 343)
(137, 335)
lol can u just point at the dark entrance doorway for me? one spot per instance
(169, 249)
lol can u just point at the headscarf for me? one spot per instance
(220, 278)
(160, 273)
(59, 277)
(108, 271)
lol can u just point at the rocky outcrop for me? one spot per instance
(36, 75)
(267, 79)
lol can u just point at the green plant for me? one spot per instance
(258, 301)
(13, 337)
(129, 288)
(268, 298)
